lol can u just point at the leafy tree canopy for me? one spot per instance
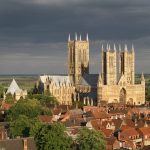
(30, 108)
(24, 126)
(90, 140)
(2, 89)
(44, 99)
(52, 137)
(9, 99)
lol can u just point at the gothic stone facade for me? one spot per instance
(59, 86)
(115, 83)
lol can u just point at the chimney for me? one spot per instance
(136, 124)
(25, 145)
(76, 105)
(74, 121)
(119, 135)
(145, 125)
(55, 106)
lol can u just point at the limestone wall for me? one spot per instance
(134, 94)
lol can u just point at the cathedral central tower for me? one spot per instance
(78, 58)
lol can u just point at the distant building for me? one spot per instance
(15, 91)
(115, 83)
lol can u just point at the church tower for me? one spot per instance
(126, 64)
(109, 69)
(78, 58)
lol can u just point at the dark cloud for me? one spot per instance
(33, 33)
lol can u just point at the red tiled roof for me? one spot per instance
(6, 106)
(105, 123)
(128, 122)
(56, 111)
(100, 114)
(65, 117)
(129, 143)
(96, 124)
(129, 132)
(91, 108)
(75, 131)
(110, 141)
(145, 130)
(106, 132)
(117, 123)
(45, 119)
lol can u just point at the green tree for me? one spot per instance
(9, 99)
(30, 108)
(2, 89)
(20, 126)
(52, 137)
(45, 100)
(24, 126)
(90, 140)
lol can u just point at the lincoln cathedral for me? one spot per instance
(115, 83)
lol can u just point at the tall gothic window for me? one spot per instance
(79, 55)
(111, 65)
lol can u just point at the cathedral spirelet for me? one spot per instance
(115, 83)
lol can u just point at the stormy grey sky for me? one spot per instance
(33, 33)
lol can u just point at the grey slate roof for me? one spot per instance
(17, 144)
(89, 79)
(57, 79)
(76, 112)
(92, 95)
(74, 122)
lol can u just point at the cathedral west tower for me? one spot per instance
(109, 70)
(117, 84)
(126, 64)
